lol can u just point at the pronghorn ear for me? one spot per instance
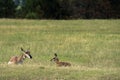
(55, 55)
(22, 49)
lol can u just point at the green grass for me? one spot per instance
(91, 46)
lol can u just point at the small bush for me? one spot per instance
(32, 15)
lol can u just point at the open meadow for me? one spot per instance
(91, 46)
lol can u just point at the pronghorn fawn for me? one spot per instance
(58, 63)
(21, 58)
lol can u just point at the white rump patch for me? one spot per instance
(10, 62)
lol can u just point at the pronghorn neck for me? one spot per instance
(57, 61)
(21, 58)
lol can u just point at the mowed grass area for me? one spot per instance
(91, 46)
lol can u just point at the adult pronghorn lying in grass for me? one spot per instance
(56, 60)
(20, 59)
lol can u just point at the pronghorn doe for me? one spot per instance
(59, 64)
(21, 58)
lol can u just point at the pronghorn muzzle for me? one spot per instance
(30, 56)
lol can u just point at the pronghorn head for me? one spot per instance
(26, 53)
(55, 58)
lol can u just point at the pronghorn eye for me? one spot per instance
(28, 52)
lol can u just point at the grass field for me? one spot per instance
(91, 46)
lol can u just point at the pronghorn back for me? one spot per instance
(13, 60)
(63, 64)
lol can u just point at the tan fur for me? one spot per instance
(16, 59)
(20, 59)
(58, 63)
(63, 64)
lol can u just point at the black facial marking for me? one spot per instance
(30, 56)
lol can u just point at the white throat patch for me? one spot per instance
(27, 55)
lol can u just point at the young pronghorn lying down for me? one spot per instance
(21, 58)
(56, 60)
